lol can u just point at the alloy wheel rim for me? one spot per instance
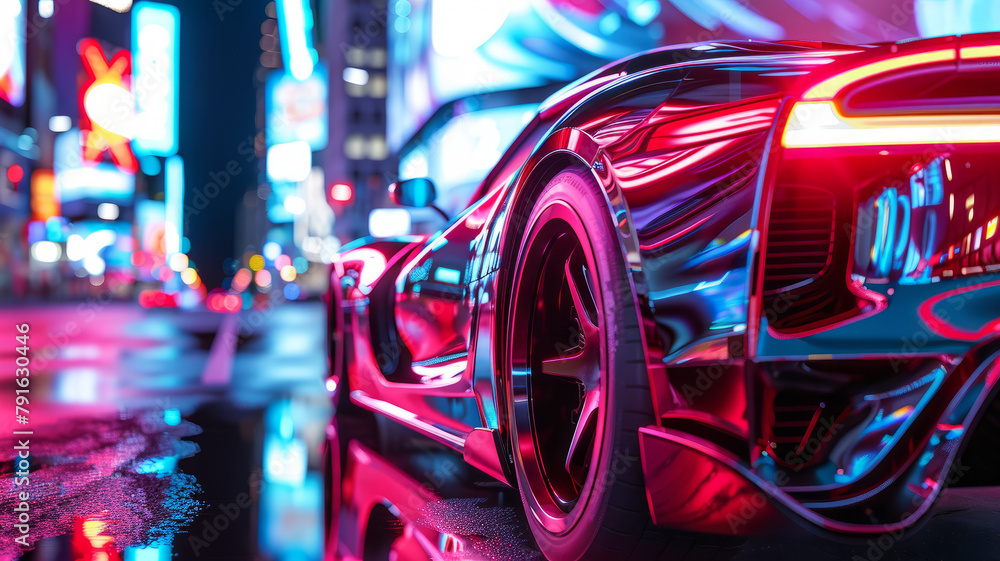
(557, 359)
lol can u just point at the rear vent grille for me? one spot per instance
(796, 430)
(800, 237)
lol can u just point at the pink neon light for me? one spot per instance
(945, 329)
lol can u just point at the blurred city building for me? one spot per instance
(92, 195)
(358, 161)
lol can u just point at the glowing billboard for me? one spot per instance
(295, 25)
(173, 179)
(76, 180)
(44, 198)
(155, 47)
(443, 50)
(151, 220)
(297, 109)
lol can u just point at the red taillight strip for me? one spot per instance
(829, 88)
(982, 51)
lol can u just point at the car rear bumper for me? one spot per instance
(694, 484)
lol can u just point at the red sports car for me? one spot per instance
(704, 285)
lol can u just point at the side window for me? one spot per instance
(514, 159)
(515, 156)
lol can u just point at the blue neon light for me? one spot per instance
(295, 25)
(155, 56)
(174, 200)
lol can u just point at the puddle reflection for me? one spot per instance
(111, 482)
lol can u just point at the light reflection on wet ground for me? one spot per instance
(490, 532)
(117, 471)
(113, 387)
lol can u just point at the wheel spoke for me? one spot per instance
(583, 365)
(572, 366)
(581, 294)
(583, 433)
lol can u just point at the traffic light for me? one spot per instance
(15, 173)
(341, 192)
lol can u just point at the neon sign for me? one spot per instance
(295, 24)
(107, 107)
(156, 51)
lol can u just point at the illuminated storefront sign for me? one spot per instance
(99, 246)
(151, 218)
(313, 227)
(297, 109)
(155, 77)
(44, 199)
(289, 162)
(12, 51)
(107, 107)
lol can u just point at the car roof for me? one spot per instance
(730, 53)
(746, 55)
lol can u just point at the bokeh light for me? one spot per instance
(241, 280)
(256, 262)
(15, 173)
(262, 278)
(178, 262)
(189, 276)
(301, 264)
(272, 250)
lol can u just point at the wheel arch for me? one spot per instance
(564, 149)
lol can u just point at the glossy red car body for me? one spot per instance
(810, 232)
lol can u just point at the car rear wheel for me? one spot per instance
(578, 386)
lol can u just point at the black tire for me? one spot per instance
(612, 513)
(610, 519)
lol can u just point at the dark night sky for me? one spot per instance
(219, 54)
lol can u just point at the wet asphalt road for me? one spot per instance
(221, 371)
